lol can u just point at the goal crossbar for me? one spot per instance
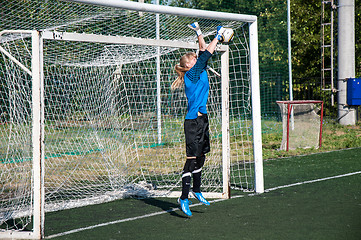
(85, 37)
(146, 7)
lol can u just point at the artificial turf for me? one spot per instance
(326, 209)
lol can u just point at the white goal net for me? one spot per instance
(302, 124)
(109, 126)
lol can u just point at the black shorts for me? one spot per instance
(197, 136)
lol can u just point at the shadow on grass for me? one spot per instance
(166, 206)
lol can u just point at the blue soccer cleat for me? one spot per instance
(185, 206)
(200, 198)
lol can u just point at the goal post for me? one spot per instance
(88, 115)
(38, 133)
(256, 108)
(37, 136)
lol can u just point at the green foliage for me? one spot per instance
(306, 45)
(305, 27)
(272, 34)
(272, 17)
(272, 26)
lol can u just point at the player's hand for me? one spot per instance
(220, 31)
(224, 34)
(195, 26)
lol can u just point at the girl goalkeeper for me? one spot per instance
(193, 75)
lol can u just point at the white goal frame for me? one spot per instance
(290, 118)
(38, 95)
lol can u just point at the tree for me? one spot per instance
(306, 44)
(272, 26)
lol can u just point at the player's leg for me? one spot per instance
(186, 177)
(197, 173)
(203, 148)
(190, 132)
(197, 179)
(186, 183)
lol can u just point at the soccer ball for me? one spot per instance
(227, 35)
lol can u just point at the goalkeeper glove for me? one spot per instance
(195, 26)
(224, 34)
(219, 35)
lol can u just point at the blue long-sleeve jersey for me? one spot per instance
(197, 86)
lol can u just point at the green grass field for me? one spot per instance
(316, 196)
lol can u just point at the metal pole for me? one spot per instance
(38, 134)
(289, 109)
(346, 59)
(159, 110)
(289, 49)
(290, 59)
(333, 90)
(9, 55)
(256, 108)
(321, 124)
(146, 7)
(226, 149)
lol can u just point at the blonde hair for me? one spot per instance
(181, 68)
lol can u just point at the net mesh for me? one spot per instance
(302, 121)
(104, 138)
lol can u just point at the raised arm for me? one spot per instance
(202, 44)
(212, 46)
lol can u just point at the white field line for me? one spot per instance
(312, 181)
(311, 154)
(193, 205)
